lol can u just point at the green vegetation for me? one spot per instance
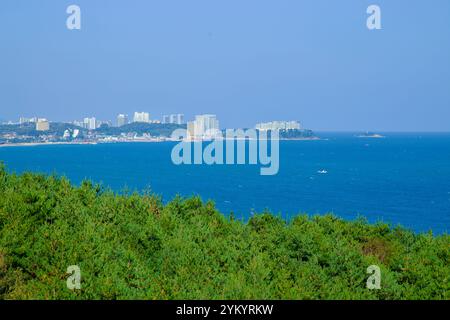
(134, 247)
(153, 129)
(29, 129)
(58, 128)
(296, 134)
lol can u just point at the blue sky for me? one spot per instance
(246, 61)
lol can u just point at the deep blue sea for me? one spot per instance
(401, 179)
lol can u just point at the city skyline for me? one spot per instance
(138, 116)
(312, 60)
(271, 123)
(200, 127)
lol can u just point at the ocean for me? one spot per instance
(400, 179)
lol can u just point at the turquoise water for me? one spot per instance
(402, 179)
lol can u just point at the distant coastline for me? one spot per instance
(36, 144)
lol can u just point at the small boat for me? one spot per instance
(322, 171)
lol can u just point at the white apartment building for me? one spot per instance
(174, 118)
(166, 119)
(42, 125)
(23, 120)
(122, 119)
(141, 117)
(90, 123)
(180, 118)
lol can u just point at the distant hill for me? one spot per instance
(29, 129)
(154, 129)
(58, 128)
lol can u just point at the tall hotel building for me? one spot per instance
(42, 125)
(174, 118)
(166, 119)
(141, 117)
(203, 127)
(90, 123)
(122, 119)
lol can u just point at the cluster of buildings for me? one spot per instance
(203, 127)
(197, 129)
(173, 118)
(206, 126)
(123, 119)
(144, 117)
(278, 125)
(42, 124)
(91, 123)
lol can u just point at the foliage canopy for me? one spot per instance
(132, 246)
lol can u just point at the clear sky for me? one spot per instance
(245, 60)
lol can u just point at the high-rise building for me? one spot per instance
(166, 119)
(24, 120)
(141, 117)
(174, 118)
(191, 129)
(180, 118)
(203, 127)
(122, 119)
(42, 125)
(90, 123)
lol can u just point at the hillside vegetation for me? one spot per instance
(133, 247)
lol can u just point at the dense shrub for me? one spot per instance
(134, 247)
